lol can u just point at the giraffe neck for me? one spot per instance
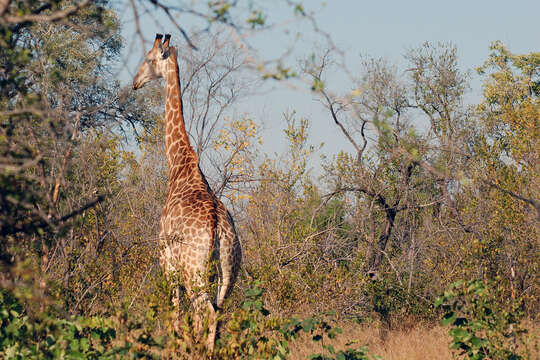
(179, 152)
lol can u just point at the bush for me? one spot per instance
(251, 332)
(50, 337)
(481, 326)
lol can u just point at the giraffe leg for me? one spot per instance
(212, 328)
(176, 305)
(176, 299)
(204, 310)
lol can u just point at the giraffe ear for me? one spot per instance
(157, 41)
(165, 48)
(166, 41)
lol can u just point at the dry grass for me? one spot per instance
(418, 343)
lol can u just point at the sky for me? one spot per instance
(361, 28)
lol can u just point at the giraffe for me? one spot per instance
(195, 226)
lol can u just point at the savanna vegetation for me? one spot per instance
(432, 219)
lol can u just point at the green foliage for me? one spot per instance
(256, 18)
(47, 336)
(482, 327)
(280, 73)
(221, 10)
(361, 353)
(48, 88)
(321, 331)
(393, 303)
(299, 10)
(504, 181)
(318, 85)
(252, 333)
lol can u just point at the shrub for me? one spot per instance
(481, 326)
(50, 337)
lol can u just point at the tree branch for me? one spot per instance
(535, 204)
(55, 16)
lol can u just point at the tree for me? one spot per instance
(56, 96)
(387, 174)
(29, 122)
(502, 182)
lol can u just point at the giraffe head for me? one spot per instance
(155, 62)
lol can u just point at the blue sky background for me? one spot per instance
(361, 28)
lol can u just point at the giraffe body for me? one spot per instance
(195, 226)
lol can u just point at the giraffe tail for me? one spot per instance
(230, 257)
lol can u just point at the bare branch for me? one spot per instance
(173, 20)
(80, 210)
(534, 203)
(18, 168)
(330, 105)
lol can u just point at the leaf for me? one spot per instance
(74, 345)
(76, 355)
(448, 318)
(459, 334)
(477, 342)
(307, 324)
(299, 10)
(330, 349)
(85, 345)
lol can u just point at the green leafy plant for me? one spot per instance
(360, 353)
(252, 333)
(481, 327)
(320, 329)
(47, 336)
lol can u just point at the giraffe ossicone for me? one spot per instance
(196, 230)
